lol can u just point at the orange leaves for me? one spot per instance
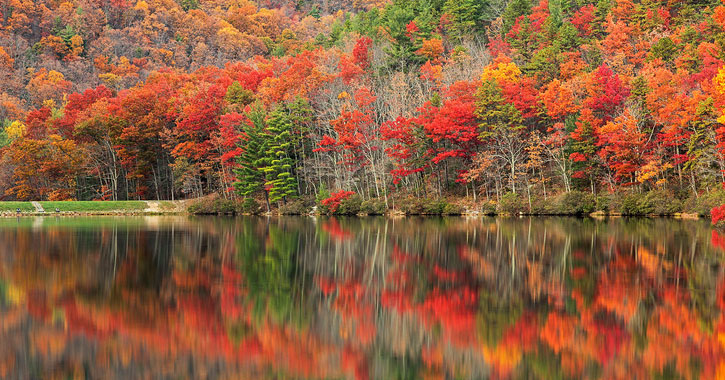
(623, 146)
(558, 332)
(432, 73)
(349, 71)
(47, 85)
(719, 16)
(431, 48)
(296, 76)
(558, 100)
(6, 61)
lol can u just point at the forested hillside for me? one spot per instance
(280, 100)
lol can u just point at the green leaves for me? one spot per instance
(267, 162)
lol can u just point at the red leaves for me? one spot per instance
(523, 95)
(334, 201)
(411, 30)
(327, 144)
(717, 214)
(354, 129)
(349, 71)
(606, 92)
(539, 14)
(583, 18)
(360, 52)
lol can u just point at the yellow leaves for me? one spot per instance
(55, 77)
(343, 95)
(45, 85)
(110, 80)
(76, 45)
(652, 170)
(15, 130)
(14, 295)
(164, 55)
(502, 70)
(719, 86)
(227, 29)
(503, 358)
(141, 6)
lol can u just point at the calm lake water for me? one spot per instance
(360, 298)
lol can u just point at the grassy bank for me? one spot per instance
(95, 207)
(14, 206)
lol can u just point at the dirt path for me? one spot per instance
(152, 206)
(38, 207)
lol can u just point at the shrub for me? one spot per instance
(703, 204)
(434, 207)
(717, 216)
(662, 202)
(488, 208)
(576, 203)
(603, 203)
(636, 204)
(214, 205)
(658, 202)
(250, 206)
(452, 209)
(295, 207)
(539, 206)
(413, 206)
(333, 202)
(373, 206)
(511, 203)
(349, 205)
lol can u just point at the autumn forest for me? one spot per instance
(276, 100)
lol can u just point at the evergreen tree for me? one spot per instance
(301, 115)
(465, 15)
(514, 10)
(253, 161)
(279, 172)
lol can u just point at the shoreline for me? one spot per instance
(181, 208)
(595, 215)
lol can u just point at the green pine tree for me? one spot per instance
(279, 172)
(514, 10)
(253, 161)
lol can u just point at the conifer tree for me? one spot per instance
(279, 171)
(253, 160)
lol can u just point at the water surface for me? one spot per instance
(360, 298)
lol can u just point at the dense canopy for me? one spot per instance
(163, 99)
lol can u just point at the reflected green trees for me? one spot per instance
(362, 298)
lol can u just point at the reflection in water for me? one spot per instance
(370, 298)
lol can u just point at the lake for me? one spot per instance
(360, 298)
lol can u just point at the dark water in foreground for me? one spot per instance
(298, 298)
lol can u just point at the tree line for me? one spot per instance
(422, 98)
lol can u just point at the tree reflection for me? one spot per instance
(361, 298)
